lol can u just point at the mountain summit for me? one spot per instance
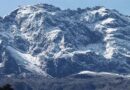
(45, 40)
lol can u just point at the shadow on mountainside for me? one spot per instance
(6, 87)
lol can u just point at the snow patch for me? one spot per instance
(1, 65)
(101, 11)
(109, 52)
(87, 72)
(110, 48)
(0, 41)
(107, 21)
(97, 48)
(62, 43)
(53, 34)
(126, 55)
(111, 30)
(98, 73)
(26, 60)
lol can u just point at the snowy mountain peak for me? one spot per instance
(48, 7)
(44, 39)
(99, 10)
(35, 8)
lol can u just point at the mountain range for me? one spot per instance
(43, 40)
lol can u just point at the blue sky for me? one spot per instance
(123, 6)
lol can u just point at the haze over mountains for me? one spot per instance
(47, 41)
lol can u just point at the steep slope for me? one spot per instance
(87, 81)
(45, 40)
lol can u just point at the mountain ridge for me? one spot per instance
(43, 39)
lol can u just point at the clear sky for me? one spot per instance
(123, 6)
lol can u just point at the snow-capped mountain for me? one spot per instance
(45, 40)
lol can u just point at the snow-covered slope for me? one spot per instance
(43, 39)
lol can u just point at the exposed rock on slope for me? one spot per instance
(45, 40)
